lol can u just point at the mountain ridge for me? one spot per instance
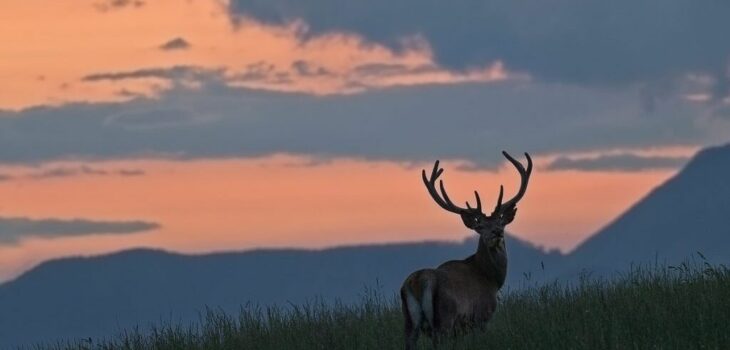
(686, 214)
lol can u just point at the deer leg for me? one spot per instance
(411, 339)
(412, 327)
(435, 340)
(411, 333)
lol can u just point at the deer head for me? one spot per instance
(490, 228)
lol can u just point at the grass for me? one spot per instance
(674, 307)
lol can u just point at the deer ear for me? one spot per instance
(470, 221)
(508, 215)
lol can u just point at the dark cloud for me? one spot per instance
(473, 122)
(66, 172)
(579, 41)
(147, 119)
(130, 172)
(81, 170)
(61, 172)
(175, 44)
(108, 5)
(264, 72)
(126, 93)
(722, 112)
(309, 69)
(169, 73)
(392, 69)
(259, 71)
(13, 230)
(617, 162)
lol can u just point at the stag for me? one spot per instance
(462, 294)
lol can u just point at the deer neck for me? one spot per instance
(492, 261)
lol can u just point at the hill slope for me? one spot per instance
(89, 297)
(649, 309)
(688, 213)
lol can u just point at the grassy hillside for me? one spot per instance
(99, 296)
(673, 307)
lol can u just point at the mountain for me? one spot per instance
(687, 214)
(75, 298)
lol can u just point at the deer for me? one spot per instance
(461, 295)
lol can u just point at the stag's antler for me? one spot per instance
(511, 204)
(443, 200)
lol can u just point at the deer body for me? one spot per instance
(461, 294)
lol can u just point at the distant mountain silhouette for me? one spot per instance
(687, 214)
(90, 297)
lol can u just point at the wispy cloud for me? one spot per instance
(81, 170)
(171, 73)
(392, 69)
(16, 229)
(108, 5)
(260, 72)
(178, 43)
(617, 162)
(310, 69)
(70, 171)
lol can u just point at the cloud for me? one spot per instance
(108, 5)
(586, 42)
(392, 69)
(309, 69)
(16, 229)
(168, 73)
(722, 111)
(153, 118)
(81, 170)
(175, 44)
(67, 171)
(617, 162)
(260, 72)
(471, 122)
(130, 172)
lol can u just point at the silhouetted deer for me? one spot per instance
(462, 294)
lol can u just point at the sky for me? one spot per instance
(208, 125)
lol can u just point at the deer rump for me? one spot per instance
(434, 310)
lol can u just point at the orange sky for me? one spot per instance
(284, 201)
(275, 201)
(44, 56)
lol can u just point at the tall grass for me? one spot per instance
(675, 307)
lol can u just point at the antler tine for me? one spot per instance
(499, 199)
(446, 196)
(479, 203)
(450, 203)
(431, 187)
(443, 199)
(524, 178)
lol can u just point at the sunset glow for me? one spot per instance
(235, 132)
(48, 58)
(286, 201)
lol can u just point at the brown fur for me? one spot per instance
(464, 293)
(460, 295)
